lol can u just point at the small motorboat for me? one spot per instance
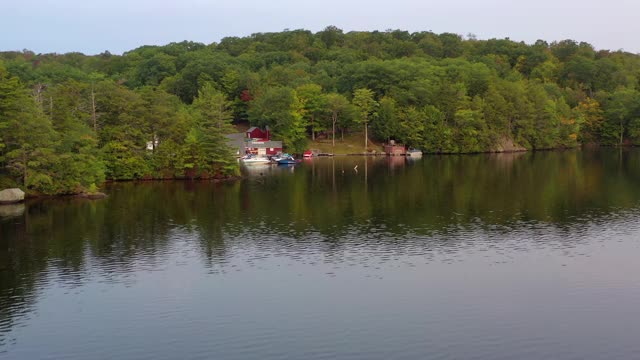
(307, 154)
(279, 156)
(414, 153)
(254, 159)
(276, 157)
(286, 160)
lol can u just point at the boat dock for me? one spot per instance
(393, 149)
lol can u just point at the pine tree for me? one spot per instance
(27, 136)
(213, 122)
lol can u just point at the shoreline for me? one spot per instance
(512, 151)
(101, 195)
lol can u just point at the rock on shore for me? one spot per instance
(11, 196)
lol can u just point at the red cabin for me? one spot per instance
(255, 133)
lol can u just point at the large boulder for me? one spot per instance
(10, 196)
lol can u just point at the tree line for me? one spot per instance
(70, 121)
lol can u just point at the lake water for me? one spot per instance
(513, 256)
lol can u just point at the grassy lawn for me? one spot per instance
(353, 143)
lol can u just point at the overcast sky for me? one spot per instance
(93, 26)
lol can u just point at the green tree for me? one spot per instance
(281, 110)
(412, 123)
(336, 105)
(387, 124)
(621, 108)
(213, 122)
(365, 103)
(312, 100)
(591, 116)
(27, 137)
(121, 131)
(79, 167)
(438, 137)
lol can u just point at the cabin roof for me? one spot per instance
(264, 144)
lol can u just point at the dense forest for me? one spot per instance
(70, 121)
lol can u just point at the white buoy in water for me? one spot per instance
(356, 168)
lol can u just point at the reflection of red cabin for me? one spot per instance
(256, 133)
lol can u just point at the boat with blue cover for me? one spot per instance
(286, 160)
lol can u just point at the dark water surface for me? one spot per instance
(525, 256)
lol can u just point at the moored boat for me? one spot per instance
(253, 159)
(414, 153)
(286, 160)
(278, 156)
